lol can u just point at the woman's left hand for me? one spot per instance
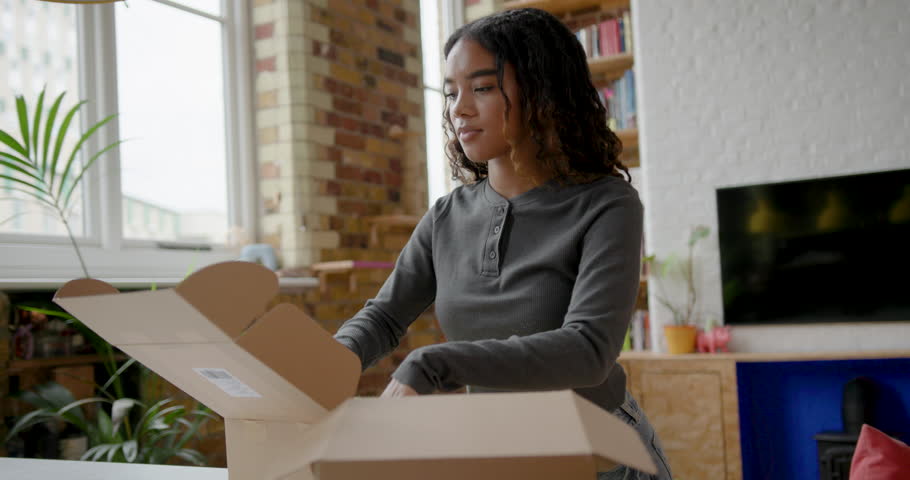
(397, 389)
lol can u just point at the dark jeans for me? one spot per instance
(631, 413)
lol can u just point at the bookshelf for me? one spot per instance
(568, 7)
(604, 70)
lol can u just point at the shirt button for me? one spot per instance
(496, 229)
(492, 254)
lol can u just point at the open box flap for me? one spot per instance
(397, 436)
(209, 337)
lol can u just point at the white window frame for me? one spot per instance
(106, 253)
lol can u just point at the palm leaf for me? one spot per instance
(61, 135)
(23, 123)
(27, 421)
(29, 193)
(13, 166)
(12, 143)
(21, 161)
(120, 409)
(191, 456)
(49, 126)
(85, 168)
(23, 182)
(72, 159)
(130, 450)
(119, 371)
(95, 453)
(37, 123)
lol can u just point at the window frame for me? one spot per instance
(107, 254)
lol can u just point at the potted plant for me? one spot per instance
(682, 333)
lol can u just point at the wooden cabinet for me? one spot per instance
(693, 406)
(693, 402)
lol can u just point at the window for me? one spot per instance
(178, 79)
(438, 20)
(176, 158)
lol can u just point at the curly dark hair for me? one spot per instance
(558, 99)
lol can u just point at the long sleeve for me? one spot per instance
(579, 354)
(411, 287)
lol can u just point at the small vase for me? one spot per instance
(680, 338)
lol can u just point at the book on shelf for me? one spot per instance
(619, 100)
(609, 37)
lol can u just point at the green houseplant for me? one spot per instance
(158, 434)
(41, 167)
(681, 334)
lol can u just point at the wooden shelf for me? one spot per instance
(562, 7)
(610, 68)
(387, 221)
(324, 269)
(17, 366)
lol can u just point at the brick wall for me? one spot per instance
(340, 128)
(734, 93)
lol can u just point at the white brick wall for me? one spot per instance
(735, 92)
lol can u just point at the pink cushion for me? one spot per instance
(879, 457)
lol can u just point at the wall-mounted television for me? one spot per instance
(815, 251)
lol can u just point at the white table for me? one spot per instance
(31, 469)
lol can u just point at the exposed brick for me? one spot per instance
(335, 154)
(394, 196)
(401, 15)
(266, 30)
(352, 207)
(265, 65)
(349, 172)
(346, 106)
(350, 140)
(372, 176)
(390, 57)
(392, 179)
(269, 170)
(267, 99)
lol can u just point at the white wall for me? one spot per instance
(735, 92)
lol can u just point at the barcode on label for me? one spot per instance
(227, 382)
(215, 374)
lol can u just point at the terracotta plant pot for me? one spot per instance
(680, 338)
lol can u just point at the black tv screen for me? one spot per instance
(815, 251)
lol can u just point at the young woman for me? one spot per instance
(534, 262)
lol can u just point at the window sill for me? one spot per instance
(27, 284)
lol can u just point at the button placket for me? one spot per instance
(493, 241)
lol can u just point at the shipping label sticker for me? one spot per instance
(227, 382)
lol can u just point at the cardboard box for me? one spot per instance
(285, 388)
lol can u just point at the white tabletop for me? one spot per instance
(31, 469)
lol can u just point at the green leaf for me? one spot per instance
(12, 143)
(105, 425)
(25, 163)
(191, 456)
(72, 159)
(32, 194)
(120, 409)
(46, 311)
(49, 126)
(88, 165)
(119, 372)
(23, 123)
(27, 421)
(130, 450)
(61, 135)
(37, 121)
(74, 410)
(97, 452)
(13, 166)
(35, 188)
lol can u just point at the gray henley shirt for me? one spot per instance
(533, 293)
